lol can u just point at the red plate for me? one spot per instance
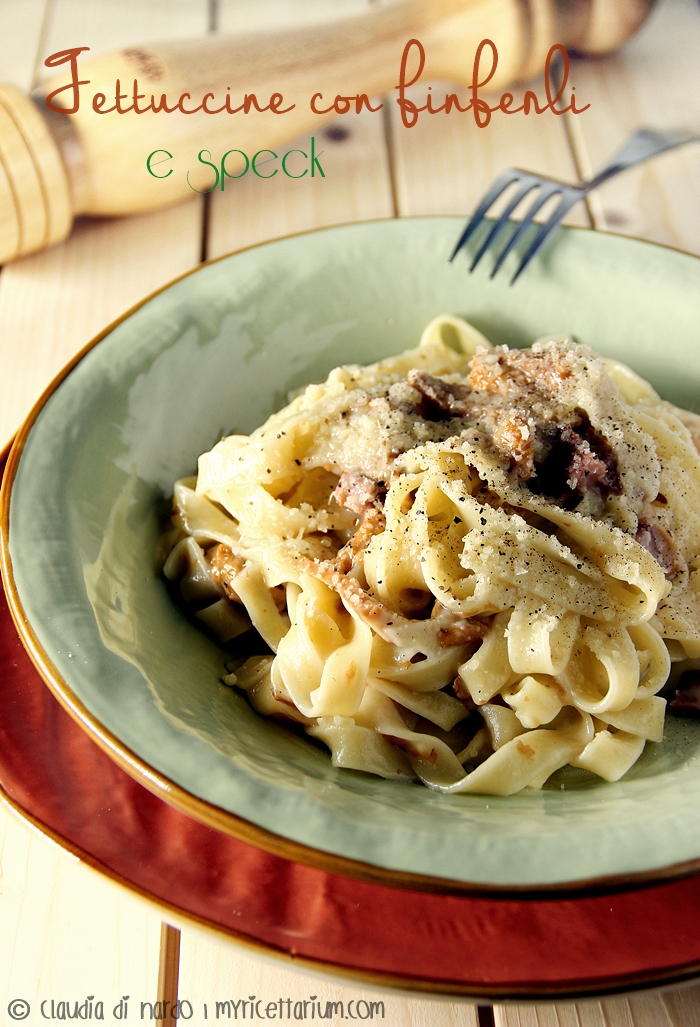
(53, 775)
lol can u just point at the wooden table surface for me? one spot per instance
(65, 932)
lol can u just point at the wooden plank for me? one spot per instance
(645, 1009)
(357, 184)
(356, 187)
(654, 80)
(52, 303)
(169, 973)
(111, 24)
(683, 1005)
(212, 970)
(234, 16)
(20, 33)
(560, 1014)
(445, 162)
(66, 932)
(675, 1008)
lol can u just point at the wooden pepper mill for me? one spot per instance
(54, 166)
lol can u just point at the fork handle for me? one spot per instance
(646, 143)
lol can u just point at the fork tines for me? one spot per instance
(544, 189)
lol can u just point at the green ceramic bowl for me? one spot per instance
(217, 352)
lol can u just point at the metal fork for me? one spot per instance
(645, 143)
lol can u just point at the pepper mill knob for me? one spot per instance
(54, 166)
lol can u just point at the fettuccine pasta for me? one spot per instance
(471, 565)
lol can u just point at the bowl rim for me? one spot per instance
(214, 816)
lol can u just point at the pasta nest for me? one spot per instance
(469, 565)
